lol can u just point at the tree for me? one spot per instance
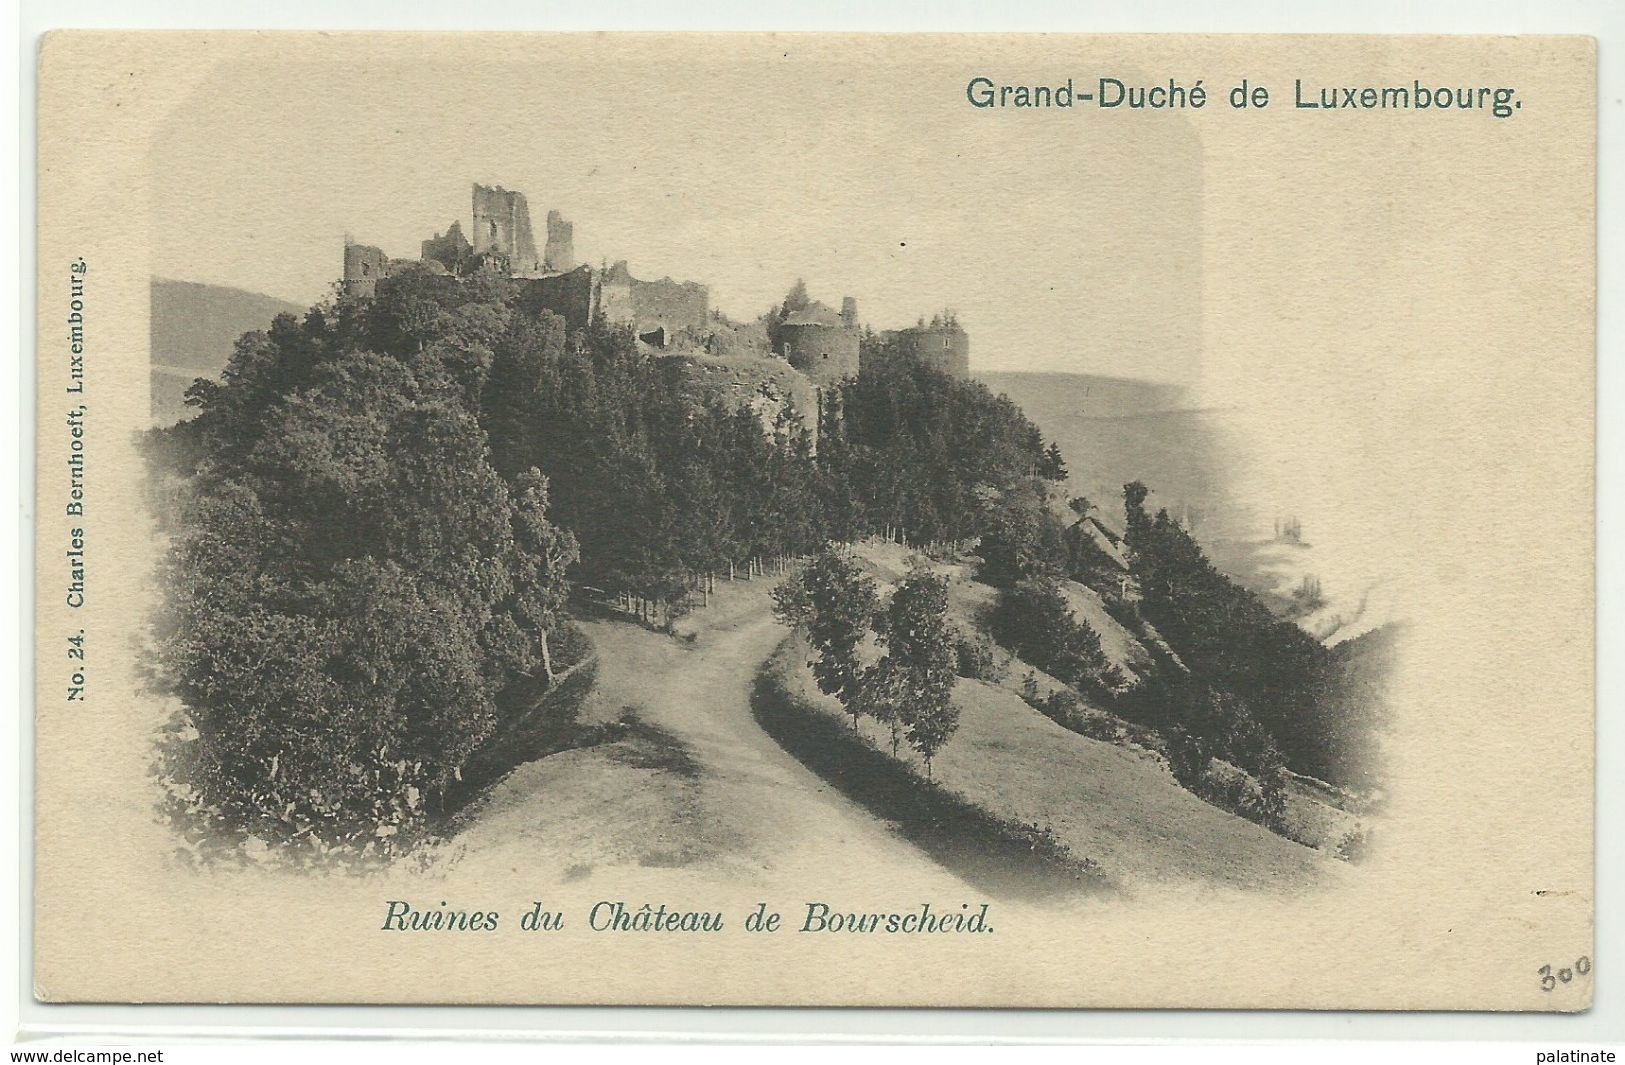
(349, 582)
(795, 300)
(1021, 539)
(1203, 723)
(921, 454)
(882, 693)
(1034, 620)
(543, 555)
(932, 725)
(1189, 756)
(909, 689)
(834, 608)
(1228, 638)
(1053, 466)
(792, 602)
(333, 677)
(916, 675)
(1137, 525)
(1248, 746)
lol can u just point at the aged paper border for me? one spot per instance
(811, 1015)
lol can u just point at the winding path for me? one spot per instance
(732, 807)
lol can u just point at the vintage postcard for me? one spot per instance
(834, 520)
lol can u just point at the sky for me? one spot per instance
(1392, 308)
(1062, 242)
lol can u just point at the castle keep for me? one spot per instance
(822, 345)
(502, 230)
(504, 243)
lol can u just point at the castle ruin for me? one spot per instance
(560, 253)
(452, 251)
(504, 243)
(364, 266)
(665, 307)
(502, 230)
(941, 344)
(821, 344)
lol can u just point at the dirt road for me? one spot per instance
(698, 790)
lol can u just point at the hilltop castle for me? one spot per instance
(503, 243)
(827, 346)
(823, 345)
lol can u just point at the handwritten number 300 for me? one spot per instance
(1549, 980)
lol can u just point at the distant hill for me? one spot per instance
(1086, 395)
(194, 328)
(1113, 430)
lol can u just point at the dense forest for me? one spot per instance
(378, 514)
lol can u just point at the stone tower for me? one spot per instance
(943, 345)
(364, 267)
(502, 227)
(817, 341)
(849, 312)
(560, 251)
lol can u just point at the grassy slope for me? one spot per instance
(968, 601)
(1103, 802)
(1121, 647)
(683, 779)
(1116, 805)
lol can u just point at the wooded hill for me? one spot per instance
(379, 515)
(379, 511)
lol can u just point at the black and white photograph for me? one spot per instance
(503, 556)
(781, 519)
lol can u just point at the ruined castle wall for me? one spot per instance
(560, 253)
(959, 362)
(671, 304)
(825, 353)
(451, 251)
(569, 295)
(615, 301)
